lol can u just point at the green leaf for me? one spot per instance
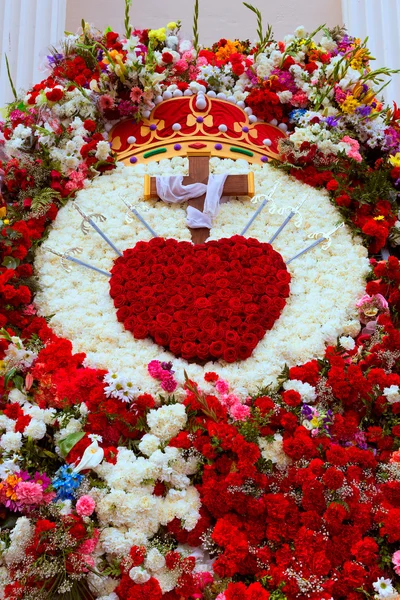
(18, 382)
(70, 441)
(108, 30)
(9, 376)
(10, 78)
(10, 262)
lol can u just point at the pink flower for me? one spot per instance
(168, 383)
(240, 412)
(155, 369)
(88, 546)
(354, 147)
(181, 66)
(29, 493)
(396, 562)
(222, 386)
(136, 94)
(85, 506)
(106, 102)
(188, 56)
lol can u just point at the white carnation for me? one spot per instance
(20, 537)
(10, 441)
(347, 342)
(35, 429)
(167, 421)
(154, 560)
(392, 394)
(139, 575)
(149, 444)
(306, 391)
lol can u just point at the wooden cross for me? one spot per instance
(199, 168)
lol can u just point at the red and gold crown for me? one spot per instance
(187, 124)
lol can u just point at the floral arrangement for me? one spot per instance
(188, 306)
(199, 489)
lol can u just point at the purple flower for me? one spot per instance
(332, 121)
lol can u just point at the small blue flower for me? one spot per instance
(296, 114)
(66, 482)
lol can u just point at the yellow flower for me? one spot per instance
(314, 422)
(171, 25)
(349, 105)
(6, 221)
(395, 160)
(3, 211)
(158, 34)
(379, 218)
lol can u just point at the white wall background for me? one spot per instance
(218, 18)
(27, 29)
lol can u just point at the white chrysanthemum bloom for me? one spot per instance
(306, 391)
(36, 429)
(392, 394)
(347, 342)
(167, 421)
(273, 451)
(111, 596)
(20, 537)
(149, 444)
(154, 560)
(10, 441)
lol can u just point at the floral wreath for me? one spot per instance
(290, 493)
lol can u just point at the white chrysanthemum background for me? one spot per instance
(321, 306)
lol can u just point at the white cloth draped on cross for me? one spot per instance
(170, 189)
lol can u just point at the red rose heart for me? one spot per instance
(202, 302)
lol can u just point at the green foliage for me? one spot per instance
(263, 38)
(127, 23)
(14, 91)
(42, 199)
(70, 441)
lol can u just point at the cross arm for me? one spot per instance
(235, 185)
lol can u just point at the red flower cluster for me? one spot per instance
(204, 302)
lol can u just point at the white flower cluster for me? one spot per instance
(323, 290)
(306, 391)
(17, 356)
(129, 512)
(119, 387)
(11, 440)
(273, 450)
